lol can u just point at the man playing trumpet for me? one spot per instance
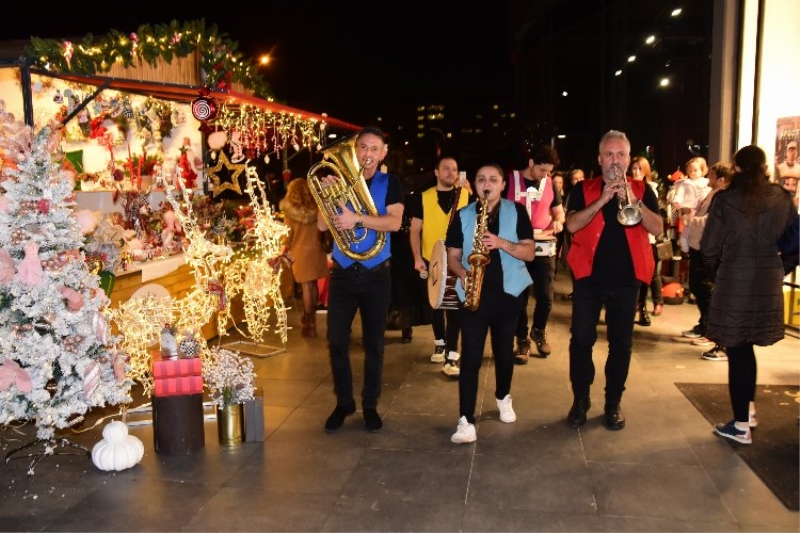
(611, 257)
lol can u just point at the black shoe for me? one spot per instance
(336, 420)
(577, 414)
(613, 417)
(407, 334)
(644, 317)
(372, 419)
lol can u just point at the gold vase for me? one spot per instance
(230, 424)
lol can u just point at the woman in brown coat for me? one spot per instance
(305, 246)
(741, 256)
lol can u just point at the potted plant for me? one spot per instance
(231, 381)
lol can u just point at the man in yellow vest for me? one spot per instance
(431, 213)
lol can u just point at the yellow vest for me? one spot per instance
(434, 220)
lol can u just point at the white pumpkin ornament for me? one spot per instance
(118, 450)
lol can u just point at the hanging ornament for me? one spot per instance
(204, 108)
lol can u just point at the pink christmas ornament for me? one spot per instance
(13, 374)
(120, 364)
(7, 269)
(43, 206)
(74, 298)
(91, 379)
(30, 270)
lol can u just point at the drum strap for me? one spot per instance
(455, 206)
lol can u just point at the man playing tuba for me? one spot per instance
(362, 283)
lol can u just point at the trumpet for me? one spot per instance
(629, 213)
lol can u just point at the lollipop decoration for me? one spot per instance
(204, 108)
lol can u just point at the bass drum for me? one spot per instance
(441, 286)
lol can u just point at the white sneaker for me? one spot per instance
(451, 369)
(507, 413)
(438, 352)
(465, 432)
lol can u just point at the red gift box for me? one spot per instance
(176, 368)
(178, 386)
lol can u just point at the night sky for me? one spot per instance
(350, 60)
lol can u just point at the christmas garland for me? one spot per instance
(220, 61)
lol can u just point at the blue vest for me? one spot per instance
(378, 186)
(515, 274)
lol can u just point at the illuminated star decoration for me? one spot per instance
(234, 173)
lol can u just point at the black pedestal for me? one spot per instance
(178, 424)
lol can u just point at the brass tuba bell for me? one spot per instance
(350, 188)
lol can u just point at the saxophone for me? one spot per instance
(478, 258)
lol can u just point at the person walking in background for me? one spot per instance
(558, 181)
(362, 285)
(532, 188)
(640, 170)
(689, 193)
(699, 281)
(409, 302)
(574, 176)
(431, 213)
(305, 247)
(610, 261)
(739, 248)
(507, 239)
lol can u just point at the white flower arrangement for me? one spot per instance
(229, 376)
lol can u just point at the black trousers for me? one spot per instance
(588, 300)
(475, 325)
(700, 285)
(543, 273)
(369, 292)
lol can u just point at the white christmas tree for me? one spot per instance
(57, 355)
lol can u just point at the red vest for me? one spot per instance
(584, 242)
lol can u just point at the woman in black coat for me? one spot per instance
(739, 247)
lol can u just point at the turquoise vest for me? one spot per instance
(515, 274)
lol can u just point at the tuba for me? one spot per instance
(478, 258)
(629, 213)
(349, 188)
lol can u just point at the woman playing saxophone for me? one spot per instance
(488, 243)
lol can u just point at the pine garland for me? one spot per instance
(220, 60)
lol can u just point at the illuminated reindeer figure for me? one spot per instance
(257, 276)
(140, 320)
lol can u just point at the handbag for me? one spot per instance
(665, 251)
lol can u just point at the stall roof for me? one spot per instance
(186, 93)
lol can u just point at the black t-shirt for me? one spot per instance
(394, 190)
(493, 297)
(445, 199)
(613, 264)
